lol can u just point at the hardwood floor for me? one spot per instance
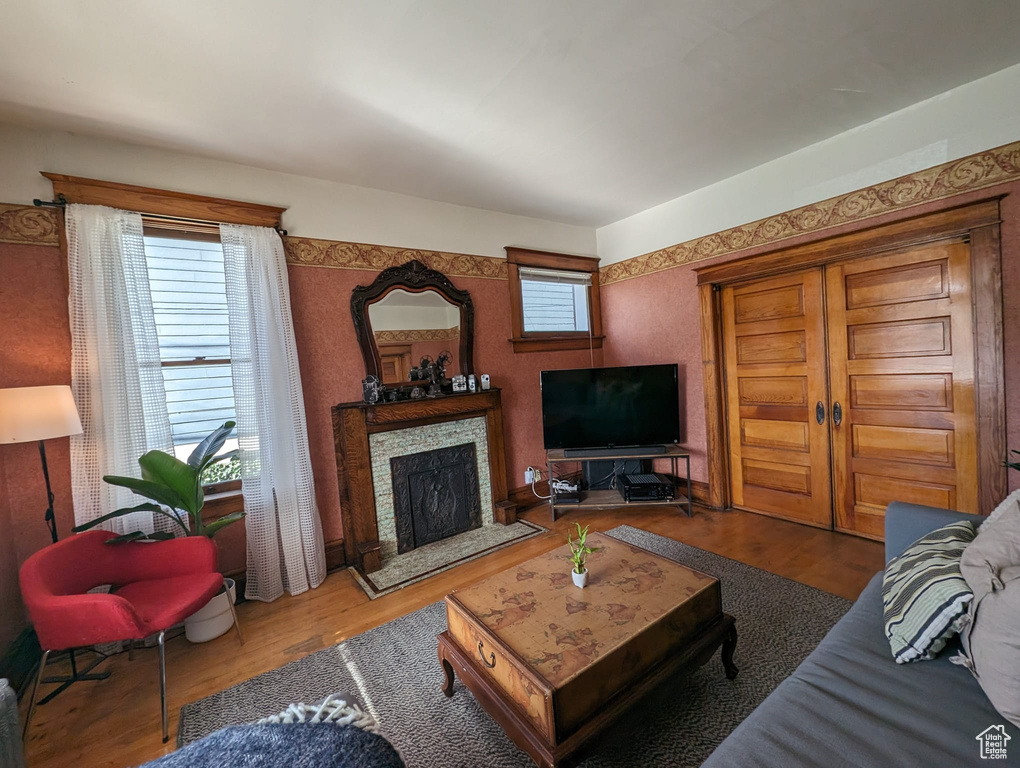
(115, 722)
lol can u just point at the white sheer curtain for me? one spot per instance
(115, 368)
(285, 548)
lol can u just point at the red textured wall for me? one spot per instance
(36, 351)
(655, 318)
(332, 369)
(11, 609)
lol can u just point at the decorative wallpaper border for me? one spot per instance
(311, 252)
(28, 225)
(984, 169)
(423, 334)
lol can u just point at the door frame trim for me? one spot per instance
(978, 222)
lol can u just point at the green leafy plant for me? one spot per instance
(579, 550)
(1013, 464)
(174, 488)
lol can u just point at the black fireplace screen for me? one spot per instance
(435, 495)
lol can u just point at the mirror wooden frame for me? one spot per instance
(414, 277)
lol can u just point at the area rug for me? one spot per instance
(393, 669)
(440, 556)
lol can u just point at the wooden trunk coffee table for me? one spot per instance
(553, 664)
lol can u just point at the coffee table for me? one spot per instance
(553, 663)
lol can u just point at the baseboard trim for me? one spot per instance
(20, 660)
(335, 556)
(525, 499)
(699, 491)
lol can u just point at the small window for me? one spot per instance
(554, 301)
(189, 301)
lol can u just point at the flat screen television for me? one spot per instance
(609, 408)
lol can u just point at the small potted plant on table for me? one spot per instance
(174, 489)
(579, 551)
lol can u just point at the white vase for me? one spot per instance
(580, 579)
(214, 618)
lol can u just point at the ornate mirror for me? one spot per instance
(408, 313)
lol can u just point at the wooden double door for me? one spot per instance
(851, 384)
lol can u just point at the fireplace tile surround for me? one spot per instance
(385, 446)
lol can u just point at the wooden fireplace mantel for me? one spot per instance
(354, 422)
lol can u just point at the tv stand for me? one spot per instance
(614, 453)
(611, 498)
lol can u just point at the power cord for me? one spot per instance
(532, 475)
(612, 474)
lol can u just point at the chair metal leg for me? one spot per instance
(162, 685)
(233, 612)
(35, 693)
(76, 676)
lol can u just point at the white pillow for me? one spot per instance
(991, 644)
(1007, 503)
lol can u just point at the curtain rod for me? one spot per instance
(61, 202)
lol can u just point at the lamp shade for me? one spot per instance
(37, 413)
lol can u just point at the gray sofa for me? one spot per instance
(850, 704)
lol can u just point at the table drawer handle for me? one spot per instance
(492, 657)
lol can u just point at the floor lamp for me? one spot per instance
(30, 414)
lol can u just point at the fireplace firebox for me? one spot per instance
(435, 495)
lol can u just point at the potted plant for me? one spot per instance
(579, 551)
(174, 489)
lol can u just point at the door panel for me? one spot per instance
(901, 365)
(775, 359)
(789, 347)
(395, 363)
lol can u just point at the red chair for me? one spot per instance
(155, 585)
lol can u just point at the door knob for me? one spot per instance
(820, 412)
(837, 414)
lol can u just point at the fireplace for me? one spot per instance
(435, 495)
(371, 437)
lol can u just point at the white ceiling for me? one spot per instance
(581, 111)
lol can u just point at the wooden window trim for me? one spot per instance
(552, 342)
(161, 202)
(220, 501)
(227, 486)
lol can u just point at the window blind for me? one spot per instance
(554, 276)
(189, 301)
(553, 301)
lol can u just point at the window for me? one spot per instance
(554, 300)
(189, 302)
(188, 290)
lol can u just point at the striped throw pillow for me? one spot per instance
(924, 595)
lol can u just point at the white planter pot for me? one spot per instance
(580, 579)
(213, 619)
